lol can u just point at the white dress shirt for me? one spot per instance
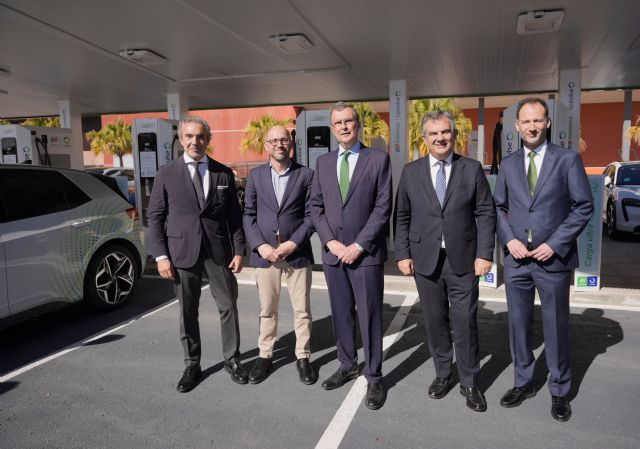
(353, 158)
(434, 165)
(540, 151)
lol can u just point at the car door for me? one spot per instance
(41, 220)
(610, 171)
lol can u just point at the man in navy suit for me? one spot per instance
(277, 223)
(195, 225)
(350, 207)
(445, 237)
(543, 202)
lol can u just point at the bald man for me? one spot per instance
(278, 226)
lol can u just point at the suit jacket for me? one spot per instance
(263, 217)
(556, 214)
(177, 225)
(467, 218)
(364, 216)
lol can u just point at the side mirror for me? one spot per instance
(607, 180)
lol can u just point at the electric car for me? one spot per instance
(65, 236)
(621, 212)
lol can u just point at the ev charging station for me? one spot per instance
(36, 145)
(153, 146)
(313, 139)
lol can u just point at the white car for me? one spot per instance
(621, 212)
(65, 235)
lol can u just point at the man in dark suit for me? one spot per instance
(445, 223)
(543, 201)
(350, 207)
(277, 223)
(195, 224)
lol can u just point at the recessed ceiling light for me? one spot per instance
(142, 56)
(534, 22)
(291, 43)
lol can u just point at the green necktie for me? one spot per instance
(344, 175)
(532, 173)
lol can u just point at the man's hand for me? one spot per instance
(268, 252)
(336, 248)
(350, 254)
(482, 266)
(165, 268)
(286, 249)
(517, 249)
(406, 266)
(236, 264)
(542, 253)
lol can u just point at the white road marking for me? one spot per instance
(337, 428)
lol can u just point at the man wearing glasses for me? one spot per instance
(278, 226)
(350, 207)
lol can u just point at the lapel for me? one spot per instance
(214, 180)
(363, 160)
(334, 187)
(186, 181)
(456, 173)
(548, 163)
(519, 161)
(293, 175)
(427, 182)
(267, 186)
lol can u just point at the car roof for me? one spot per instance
(41, 167)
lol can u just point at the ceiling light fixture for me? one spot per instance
(142, 56)
(291, 43)
(4, 71)
(534, 22)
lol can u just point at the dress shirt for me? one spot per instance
(353, 158)
(279, 181)
(541, 150)
(202, 168)
(434, 165)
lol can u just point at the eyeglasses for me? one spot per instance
(274, 142)
(347, 122)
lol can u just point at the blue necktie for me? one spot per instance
(441, 183)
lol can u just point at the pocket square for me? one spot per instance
(222, 187)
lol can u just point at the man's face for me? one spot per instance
(345, 127)
(532, 125)
(278, 143)
(439, 138)
(194, 140)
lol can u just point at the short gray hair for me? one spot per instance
(198, 120)
(341, 106)
(438, 115)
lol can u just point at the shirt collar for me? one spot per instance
(540, 150)
(354, 149)
(188, 159)
(287, 170)
(448, 160)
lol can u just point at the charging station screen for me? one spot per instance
(9, 150)
(318, 143)
(148, 147)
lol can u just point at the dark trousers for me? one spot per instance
(450, 303)
(553, 288)
(224, 289)
(357, 290)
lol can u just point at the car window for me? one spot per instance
(629, 175)
(32, 193)
(111, 183)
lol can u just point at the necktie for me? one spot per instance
(197, 184)
(344, 175)
(532, 173)
(441, 183)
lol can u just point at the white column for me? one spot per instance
(569, 98)
(178, 106)
(481, 130)
(70, 118)
(398, 129)
(626, 143)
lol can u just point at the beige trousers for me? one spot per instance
(299, 284)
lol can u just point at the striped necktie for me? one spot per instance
(198, 184)
(441, 183)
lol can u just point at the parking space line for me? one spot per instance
(337, 428)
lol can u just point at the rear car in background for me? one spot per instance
(621, 212)
(65, 236)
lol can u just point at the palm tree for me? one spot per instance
(256, 131)
(634, 132)
(373, 127)
(115, 138)
(417, 110)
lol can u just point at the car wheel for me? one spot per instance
(110, 278)
(240, 193)
(612, 232)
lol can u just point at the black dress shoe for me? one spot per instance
(260, 370)
(238, 372)
(339, 378)
(440, 387)
(306, 373)
(376, 395)
(189, 379)
(560, 408)
(475, 398)
(516, 395)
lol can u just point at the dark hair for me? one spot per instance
(198, 120)
(532, 100)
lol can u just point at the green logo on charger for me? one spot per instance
(582, 281)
